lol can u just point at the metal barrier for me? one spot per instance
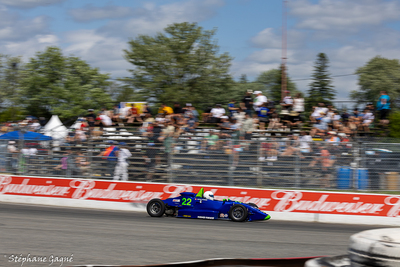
(265, 162)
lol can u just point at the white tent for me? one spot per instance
(55, 128)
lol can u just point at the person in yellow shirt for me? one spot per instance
(164, 109)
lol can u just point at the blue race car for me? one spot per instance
(203, 206)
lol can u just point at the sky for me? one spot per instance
(349, 32)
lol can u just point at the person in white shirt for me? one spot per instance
(121, 169)
(259, 100)
(217, 113)
(287, 102)
(368, 118)
(298, 103)
(105, 120)
(305, 141)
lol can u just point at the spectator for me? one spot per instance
(63, 164)
(232, 108)
(368, 118)
(263, 116)
(355, 114)
(121, 169)
(35, 126)
(298, 103)
(90, 115)
(336, 120)
(294, 120)
(210, 141)
(206, 115)
(12, 156)
(225, 127)
(325, 161)
(164, 109)
(115, 113)
(105, 119)
(247, 103)
(333, 138)
(275, 123)
(322, 108)
(83, 164)
(305, 142)
(345, 117)
(178, 109)
(134, 114)
(322, 127)
(193, 110)
(287, 103)
(217, 113)
(146, 111)
(259, 100)
(110, 155)
(383, 106)
(247, 127)
(239, 116)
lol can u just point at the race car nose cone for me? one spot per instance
(268, 217)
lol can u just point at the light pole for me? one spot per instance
(284, 49)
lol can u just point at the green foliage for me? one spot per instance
(10, 75)
(270, 82)
(377, 75)
(321, 88)
(180, 65)
(61, 85)
(394, 125)
(11, 113)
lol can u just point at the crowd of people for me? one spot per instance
(234, 128)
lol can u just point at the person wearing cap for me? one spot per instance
(121, 169)
(110, 155)
(217, 113)
(259, 100)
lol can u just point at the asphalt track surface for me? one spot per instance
(114, 237)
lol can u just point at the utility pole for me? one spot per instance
(284, 48)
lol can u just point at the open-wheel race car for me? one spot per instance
(203, 206)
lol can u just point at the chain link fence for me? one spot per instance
(265, 162)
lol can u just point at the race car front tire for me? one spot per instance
(238, 213)
(155, 207)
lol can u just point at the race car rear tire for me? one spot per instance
(238, 213)
(155, 207)
(253, 205)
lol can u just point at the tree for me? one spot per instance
(10, 75)
(271, 82)
(321, 89)
(63, 85)
(180, 65)
(378, 74)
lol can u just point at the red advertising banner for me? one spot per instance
(266, 199)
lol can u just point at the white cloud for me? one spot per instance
(91, 13)
(28, 48)
(29, 3)
(151, 18)
(100, 51)
(342, 14)
(14, 28)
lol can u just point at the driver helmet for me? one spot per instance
(209, 195)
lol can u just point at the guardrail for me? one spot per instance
(283, 163)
